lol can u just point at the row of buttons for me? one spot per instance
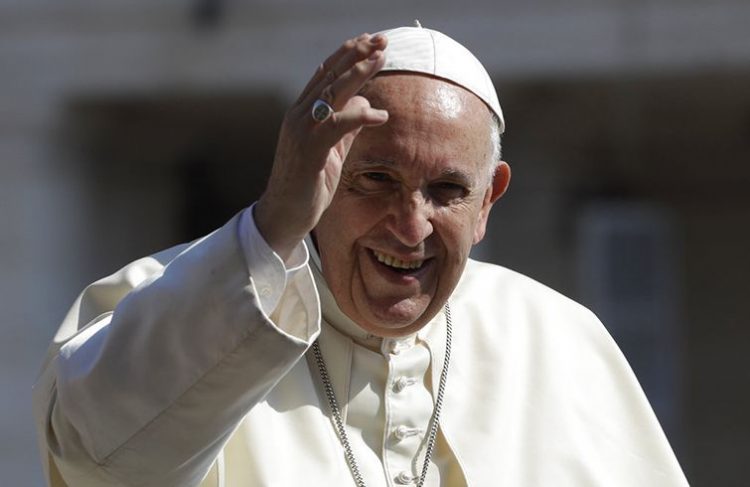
(408, 359)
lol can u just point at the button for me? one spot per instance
(389, 346)
(405, 478)
(402, 383)
(402, 432)
(396, 346)
(265, 291)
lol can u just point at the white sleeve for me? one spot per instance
(270, 273)
(147, 393)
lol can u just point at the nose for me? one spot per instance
(410, 218)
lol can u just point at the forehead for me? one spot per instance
(422, 95)
(429, 119)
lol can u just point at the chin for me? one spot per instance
(391, 331)
(393, 322)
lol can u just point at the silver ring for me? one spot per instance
(321, 111)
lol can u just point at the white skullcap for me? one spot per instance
(431, 52)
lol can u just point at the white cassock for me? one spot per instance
(190, 382)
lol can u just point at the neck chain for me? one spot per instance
(338, 422)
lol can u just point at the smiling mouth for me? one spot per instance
(398, 264)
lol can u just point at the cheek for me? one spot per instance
(355, 214)
(343, 223)
(457, 244)
(479, 228)
(458, 233)
(460, 225)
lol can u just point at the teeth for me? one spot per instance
(397, 263)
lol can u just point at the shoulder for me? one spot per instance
(503, 305)
(137, 272)
(102, 296)
(545, 367)
(496, 286)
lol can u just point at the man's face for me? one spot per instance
(414, 197)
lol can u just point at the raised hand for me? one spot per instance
(310, 154)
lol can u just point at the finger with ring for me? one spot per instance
(351, 82)
(321, 111)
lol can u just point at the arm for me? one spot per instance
(147, 394)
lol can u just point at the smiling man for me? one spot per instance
(336, 332)
(413, 198)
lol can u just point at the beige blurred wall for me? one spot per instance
(646, 100)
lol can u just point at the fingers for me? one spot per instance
(348, 69)
(357, 114)
(325, 67)
(350, 83)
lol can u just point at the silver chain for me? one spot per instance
(338, 422)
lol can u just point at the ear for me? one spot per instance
(496, 189)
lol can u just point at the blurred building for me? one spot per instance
(126, 127)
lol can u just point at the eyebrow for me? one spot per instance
(372, 161)
(457, 175)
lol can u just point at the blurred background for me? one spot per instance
(130, 126)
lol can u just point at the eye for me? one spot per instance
(446, 192)
(377, 176)
(373, 181)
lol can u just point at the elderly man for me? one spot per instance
(336, 333)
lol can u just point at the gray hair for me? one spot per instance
(496, 150)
